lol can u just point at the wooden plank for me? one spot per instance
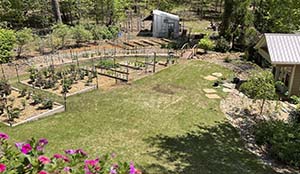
(107, 75)
(146, 63)
(131, 67)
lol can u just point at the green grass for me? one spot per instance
(162, 122)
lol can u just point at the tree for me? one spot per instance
(56, 11)
(260, 86)
(61, 31)
(80, 34)
(206, 44)
(7, 41)
(23, 37)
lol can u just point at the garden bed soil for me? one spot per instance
(29, 112)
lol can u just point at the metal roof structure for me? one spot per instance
(280, 48)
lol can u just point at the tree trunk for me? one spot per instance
(56, 11)
(262, 106)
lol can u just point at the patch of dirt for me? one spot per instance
(163, 89)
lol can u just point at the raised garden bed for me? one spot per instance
(71, 81)
(19, 107)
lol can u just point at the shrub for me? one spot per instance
(281, 139)
(295, 99)
(29, 157)
(46, 104)
(7, 41)
(80, 34)
(37, 99)
(12, 113)
(281, 87)
(106, 63)
(23, 37)
(206, 44)
(227, 59)
(5, 88)
(222, 45)
(260, 86)
(61, 31)
(23, 92)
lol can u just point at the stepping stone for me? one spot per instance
(217, 74)
(227, 90)
(211, 78)
(209, 91)
(229, 85)
(212, 96)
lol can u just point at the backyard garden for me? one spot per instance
(148, 121)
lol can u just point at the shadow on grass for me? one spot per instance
(216, 149)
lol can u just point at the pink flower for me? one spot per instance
(26, 148)
(70, 151)
(81, 152)
(44, 159)
(91, 162)
(67, 169)
(59, 156)
(2, 168)
(3, 136)
(19, 145)
(132, 169)
(43, 172)
(43, 142)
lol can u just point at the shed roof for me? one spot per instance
(161, 13)
(282, 48)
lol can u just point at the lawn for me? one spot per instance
(162, 122)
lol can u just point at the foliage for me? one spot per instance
(282, 140)
(222, 45)
(7, 41)
(80, 34)
(277, 16)
(37, 99)
(206, 44)
(5, 88)
(281, 87)
(61, 31)
(295, 99)
(260, 85)
(29, 157)
(23, 37)
(12, 113)
(107, 64)
(46, 104)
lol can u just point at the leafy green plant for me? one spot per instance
(12, 113)
(222, 45)
(23, 93)
(260, 85)
(23, 37)
(46, 104)
(107, 64)
(37, 99)
(7, 42)
(206, 44)
(295, 99)
(5, 88)
(281, 139)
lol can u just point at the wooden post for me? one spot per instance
(65, 101)
(154, 63)
(3, 73)
(16, 66)
(115, 69)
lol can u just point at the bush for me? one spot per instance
(5, 88)
(23, 37)
(37, 99)
(7, 41)
(46, 104)
(29, 157)
(61, 31)
(281, 87)
(206, 44)
(222, 45)
(281, 139)
(80, 34)
(295, 99)
(107, 64)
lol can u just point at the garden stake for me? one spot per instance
(154, 64)
(16, 66)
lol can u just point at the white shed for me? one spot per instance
(164, 24)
